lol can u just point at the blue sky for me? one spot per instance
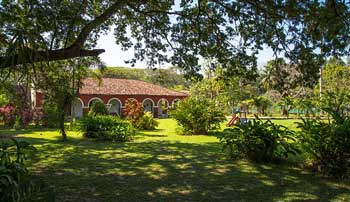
(114, 56)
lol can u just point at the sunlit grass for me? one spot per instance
(161, 165)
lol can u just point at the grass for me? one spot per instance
(160, 165)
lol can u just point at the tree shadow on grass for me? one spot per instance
(15, 132)
(172, 171)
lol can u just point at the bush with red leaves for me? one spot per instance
(8, 113)
(133, 111)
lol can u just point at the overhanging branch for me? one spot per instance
(26, 55)
(31, 56)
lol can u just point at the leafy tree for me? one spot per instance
(307, 105)
(280, 76)
(61, 83)
(335, 77)
(261, 103)
(176, 32)
(123, 73)
(286, 103)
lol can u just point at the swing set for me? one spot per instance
(239, 117)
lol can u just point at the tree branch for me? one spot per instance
(31, 56)
(27, 55)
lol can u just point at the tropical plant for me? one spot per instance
(49, 116)
(198, 115)
(307, 106)
(286, 104)
(106, 128)
(16, 182)
(259, 141)
(147, 122)
(98, 108)
(328, 143)
(133, 111)
(261, 103)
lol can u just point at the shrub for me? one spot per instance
(259, 141)
(107, 128)
(98, 108)
(18, 123)
(328, 143)
(8, 112)
(133, 111)
(27, 117)
(37, 117)
(16, 182)
(198, 116)
(146, 122)
(50, 115)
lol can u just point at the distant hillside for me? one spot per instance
(170, 78)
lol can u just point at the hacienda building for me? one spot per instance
(115, 92)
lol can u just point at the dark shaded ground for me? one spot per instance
(159, 168)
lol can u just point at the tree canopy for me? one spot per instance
(180, 32)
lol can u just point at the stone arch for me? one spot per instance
(114, 106)
(77, 108)
(148, 105)
(94, 99)
(163, 106)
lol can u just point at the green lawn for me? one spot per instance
(163, 166)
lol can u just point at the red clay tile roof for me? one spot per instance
(110, 86)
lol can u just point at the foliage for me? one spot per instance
(60, 83)
(335, 77)
(286, 103)
(227, 90)
(198, 115)
(3, 99)
(107, 128)
(27, 117)
(261, 103)
(16, 182)
(280, 76)
(259, 141)
(284, 78)
(8, 114)
(170, 77)
(176, 33)
(38, 117)
(18, 123)
(49, 115)
(133, 111)
(328, 143)
(308, 106)
(98, 108)
(337, 101)
(147, 122)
